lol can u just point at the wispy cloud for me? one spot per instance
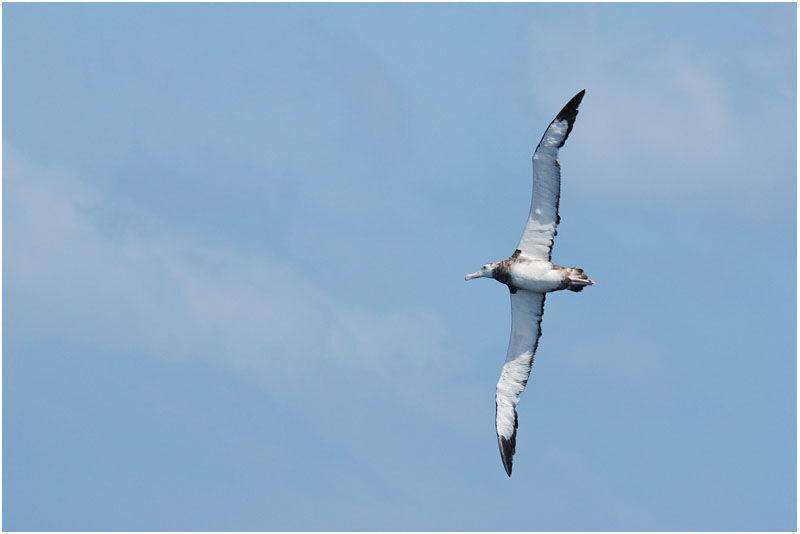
(664, 122)
(180, 298)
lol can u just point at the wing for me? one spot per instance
(527, 308)
(537, 237)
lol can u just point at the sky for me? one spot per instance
(234, 246)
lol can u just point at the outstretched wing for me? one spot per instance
(537, 237)
(527, 308)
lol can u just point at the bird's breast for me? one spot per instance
(537, 275)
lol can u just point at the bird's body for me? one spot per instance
(530, 275)
(540, 276)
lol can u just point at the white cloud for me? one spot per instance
(664, 122)
(179, 299)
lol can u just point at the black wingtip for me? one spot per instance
(508, 446)
(506, 452)
(570, 111)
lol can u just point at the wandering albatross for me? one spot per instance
(530, 275)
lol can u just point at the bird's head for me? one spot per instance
(486, 271)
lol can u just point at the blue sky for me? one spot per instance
(234, 242)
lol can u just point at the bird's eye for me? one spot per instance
(485, 266)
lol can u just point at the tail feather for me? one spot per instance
(577, 279)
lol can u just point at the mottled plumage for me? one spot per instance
(530, 275)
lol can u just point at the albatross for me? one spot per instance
(530, 275)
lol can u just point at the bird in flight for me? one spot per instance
(530, 275)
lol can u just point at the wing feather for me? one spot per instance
(527, 308)
(543, 219)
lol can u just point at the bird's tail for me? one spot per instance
(577, 279)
